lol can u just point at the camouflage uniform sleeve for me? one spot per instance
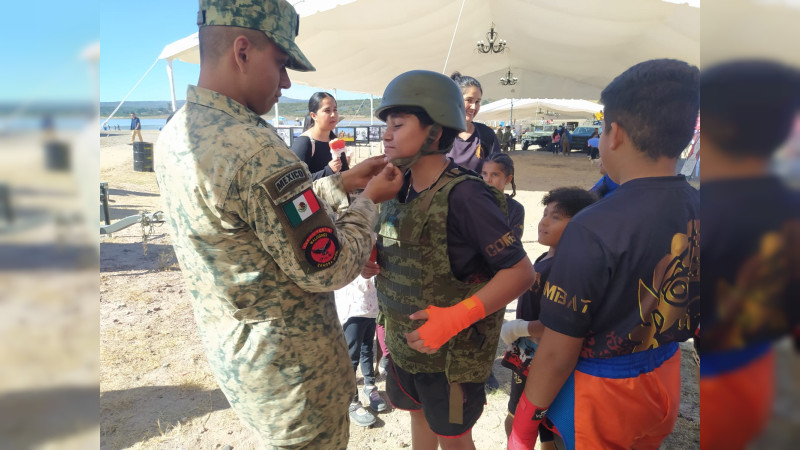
(297, 228)
(331, 190)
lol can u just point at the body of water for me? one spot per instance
(147, 124)
(157, 124)
(26, 123)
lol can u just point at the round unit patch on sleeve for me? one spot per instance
(321, 247)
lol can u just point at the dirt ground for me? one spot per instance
(156, 390)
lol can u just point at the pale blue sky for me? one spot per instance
(44, 55)
(42, 41)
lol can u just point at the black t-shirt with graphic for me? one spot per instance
(528, 304)
(625, 275)
(475, 225)
(516, 217)
(751, 272)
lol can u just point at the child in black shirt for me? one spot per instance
(560, 205)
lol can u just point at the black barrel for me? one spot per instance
(57, 155)
(143, 156)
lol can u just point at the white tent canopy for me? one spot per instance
(556, 49)
(534, 108)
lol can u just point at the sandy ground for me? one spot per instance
(48, 273)
(156, 390)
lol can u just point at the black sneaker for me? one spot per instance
(360, 416)
(492, 383)
(376, 402)
(383, 366)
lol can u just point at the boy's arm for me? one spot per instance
(552, 364)
(444, 323)
(479, 222)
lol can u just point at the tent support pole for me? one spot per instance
(371, 110)
(171, 84)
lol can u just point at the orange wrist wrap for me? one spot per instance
(444, 323)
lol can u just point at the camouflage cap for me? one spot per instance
(276, 18)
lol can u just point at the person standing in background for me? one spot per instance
(136, 128)
(499, 135)
(566, 141)
(478, 142)
(357, 307)
(313, 146)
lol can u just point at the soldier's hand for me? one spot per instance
(359, 175)
(370, 269)
(385, 185)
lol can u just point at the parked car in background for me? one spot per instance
(539, 135)
(580, 138)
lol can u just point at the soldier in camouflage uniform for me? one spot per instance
(445, 238)
(256, 240)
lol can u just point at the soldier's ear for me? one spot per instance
(241, 47)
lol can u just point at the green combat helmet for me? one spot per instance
(276, 18)
(438, 95)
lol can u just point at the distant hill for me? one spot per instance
(287, 107)
(140, 108)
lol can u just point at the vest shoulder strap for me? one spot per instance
(485, 135)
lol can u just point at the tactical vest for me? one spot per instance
(415, 273)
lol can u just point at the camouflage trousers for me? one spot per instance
(334, 438)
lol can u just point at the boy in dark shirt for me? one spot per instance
(561, 204)
(624, 286)
(751, 260)
(449, 263)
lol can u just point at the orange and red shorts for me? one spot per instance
(628, 401)
(736, 387)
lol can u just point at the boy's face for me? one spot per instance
(604, 146)
(404, 136)
(552, 225)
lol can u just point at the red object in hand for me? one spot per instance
(373, 257)
(526, 425)
(337, 144)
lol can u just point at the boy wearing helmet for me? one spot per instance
(449, 263)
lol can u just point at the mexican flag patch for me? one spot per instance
(301, 207)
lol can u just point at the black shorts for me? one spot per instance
(517, 389)
(430, 392)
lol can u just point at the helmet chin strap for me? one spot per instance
(405, 163)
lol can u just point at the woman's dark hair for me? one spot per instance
(465, 81)
(314, 103)
(508, 167)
